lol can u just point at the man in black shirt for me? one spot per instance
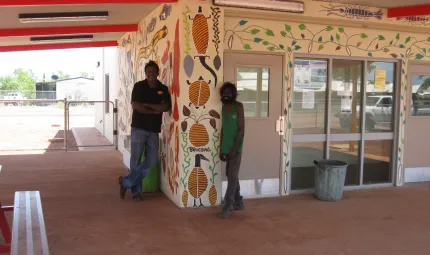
(149, 99)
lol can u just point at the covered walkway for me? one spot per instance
(84, 215)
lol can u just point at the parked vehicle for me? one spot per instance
(378, 111)
(14, 98)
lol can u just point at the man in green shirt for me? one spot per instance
(232, 133)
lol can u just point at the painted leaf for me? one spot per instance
(271, 48)
(401, 46)
(289, 125)
(283, 33)
(424, 50)
(419, 56)
(320, 47)
(265, 43)
(217, 62)
(243, 22)
(185, 111)
(290, 105)
(302, 26)
(363, 35)
(297, 47)
(269, 32)
(287, 28)
(320, 39)
(214, 114)
(255, 31)
(403, 56)
(428, 39)
(285, 111)
(303, 36)
(281, 46)
(381, 37)
(213, 123)
(408, 39)
(184, 126)
(359, 44)
(391, 43)
(257, 40)
(398, 36)
(286, 77)
(369, 54)
(386, 50)
(285, 154)
(247, 46)
(338, 48)
(290, 64)
(341, 30)
(289, 49)
(331, 38)
(337, 37)
(377, 46)
(293, 43)
(329, 28)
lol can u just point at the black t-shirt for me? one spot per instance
(142, 93)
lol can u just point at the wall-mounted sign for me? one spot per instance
(272, 5)
(380, 79)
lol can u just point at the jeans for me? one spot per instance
(232, 194)
(141, 142)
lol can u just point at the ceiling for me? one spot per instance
(119, 14)
(381, 3)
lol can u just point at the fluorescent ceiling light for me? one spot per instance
(272, 5)
(61, 39)
(62, 17)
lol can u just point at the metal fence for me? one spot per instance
(37, 124)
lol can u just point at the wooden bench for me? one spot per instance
(28, 228)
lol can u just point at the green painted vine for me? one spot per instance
(186, 23)
(187, 159)
(310, 41)
(214, 154)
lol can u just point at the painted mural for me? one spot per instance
(202, 52)
(289, 38)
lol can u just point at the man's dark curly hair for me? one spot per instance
(229, 85)
(152, 64)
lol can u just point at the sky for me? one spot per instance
(69, 61)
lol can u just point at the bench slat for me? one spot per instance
(29, 233)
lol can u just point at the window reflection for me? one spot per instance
(310, 85)
(346, 96)
(303, 168)
(420, 95)
(377, 167)
(253, 89)
(379, 97)
(348, 152)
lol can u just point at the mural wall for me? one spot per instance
(201, 77)
(291, 38)
(157, 40)
(185, 42)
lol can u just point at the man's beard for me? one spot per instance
(226, 100)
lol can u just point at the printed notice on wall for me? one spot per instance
(380, 78)
(308, 100)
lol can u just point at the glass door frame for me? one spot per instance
(362, 136)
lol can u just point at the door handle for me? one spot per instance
(280, 125)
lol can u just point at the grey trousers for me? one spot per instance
(232, 194)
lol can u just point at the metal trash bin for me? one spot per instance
(329, 179)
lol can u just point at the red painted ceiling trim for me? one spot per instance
(10, 32)
(417, 10)
(58, 46)
(61, 2)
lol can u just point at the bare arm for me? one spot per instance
(140, 107)
(241, 131)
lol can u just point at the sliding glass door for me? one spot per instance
(343, 110)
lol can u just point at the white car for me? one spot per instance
(378, 111)
(13, 98)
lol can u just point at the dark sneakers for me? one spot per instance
(225, 212)
(122, 189)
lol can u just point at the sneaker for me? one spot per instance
(122, 189)
(137, 197)
(225, 213)
(239, 206)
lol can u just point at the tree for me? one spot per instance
(21, 80)
(61, 75)
(86, 75)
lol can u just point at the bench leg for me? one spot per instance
(5, 229)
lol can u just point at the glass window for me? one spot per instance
(346, 96)
(420, 103)
(253, 89)
(303, 168)
(377, 158)
(379, 97)
(348, 152)
(310, 85)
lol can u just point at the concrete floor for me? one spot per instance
(84, 215)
